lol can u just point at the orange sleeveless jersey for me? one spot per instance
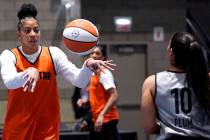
(98, 98)
(34, 116)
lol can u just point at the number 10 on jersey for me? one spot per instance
(182, 100)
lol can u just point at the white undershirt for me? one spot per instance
(63, 67)
(107, 80)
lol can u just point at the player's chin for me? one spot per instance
(33, 43)
(96, 58)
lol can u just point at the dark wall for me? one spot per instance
(145, 13)
(200, 10)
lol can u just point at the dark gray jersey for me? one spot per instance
(178, 109)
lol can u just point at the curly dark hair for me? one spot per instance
(26, 10)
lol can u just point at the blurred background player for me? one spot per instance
(82, 114)
(103, 97)
(178, 97)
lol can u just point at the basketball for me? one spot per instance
(80, 36)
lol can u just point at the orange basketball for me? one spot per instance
(80, 36)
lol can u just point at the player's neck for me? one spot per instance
(30, 50)
(175, 68)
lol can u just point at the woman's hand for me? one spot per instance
(99, 123)
(32, 76)
(98, 65)
(81, 102)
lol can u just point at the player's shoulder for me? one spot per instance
(150, 79)
(56, 51)
(7, 52)
(149, 82)
(7, 56)
(106, 72)
(54, 48)
(149, 85)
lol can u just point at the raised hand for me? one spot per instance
(98, 65)
(32, 76)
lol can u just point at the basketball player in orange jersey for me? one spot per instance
(29, 72)
(102, 98)
(179, 97)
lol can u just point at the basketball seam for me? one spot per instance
(80, 41)
(83, 29)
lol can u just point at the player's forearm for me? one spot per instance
(82, 78)
(12, 80)
(152, 128)
(111, 101)
(66, 69)
(78, 77)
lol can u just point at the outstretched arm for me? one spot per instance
(13, 79)
(148, 111)
(78, 77)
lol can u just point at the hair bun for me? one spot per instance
(194, 44)
(27, 10)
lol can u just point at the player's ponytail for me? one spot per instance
(188, 55)
(197, 73)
